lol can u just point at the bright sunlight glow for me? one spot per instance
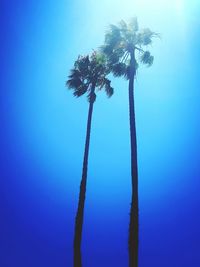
(151, 13)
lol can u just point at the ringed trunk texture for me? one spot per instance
(82, 192)
(134, 216)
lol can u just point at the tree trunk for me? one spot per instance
(82, 193)
(133, 225)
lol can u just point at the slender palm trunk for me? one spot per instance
(82, 193)
(133, 225)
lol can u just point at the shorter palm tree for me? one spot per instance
(88, 75)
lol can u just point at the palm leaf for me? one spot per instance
(107, 85)
(133, 25)
(145, 37)
(80, 90)
(119, 69)
(91, 97)
(146, 58)
(73, 83)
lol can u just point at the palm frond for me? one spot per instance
(145, 37)
(74, 73)
(112, 37)
(146, 58)
(73, 83)
(100, 58)
(81, 90)
(123, 26)
(82, 64)
(107, 85)
(91, 97)
(109, 91)
(113, 58)
(119, 69)
(133, 25)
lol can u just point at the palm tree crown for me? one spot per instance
(122, 41)
(89, 71)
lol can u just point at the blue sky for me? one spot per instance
(44, 131)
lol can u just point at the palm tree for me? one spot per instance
(124, 48)
(87, 76)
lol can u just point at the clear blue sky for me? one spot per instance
(44, 131)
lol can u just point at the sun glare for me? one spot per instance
(158, 15)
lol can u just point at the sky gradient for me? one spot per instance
(43, 134)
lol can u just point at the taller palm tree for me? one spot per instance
(124, 48)
(87, 76)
